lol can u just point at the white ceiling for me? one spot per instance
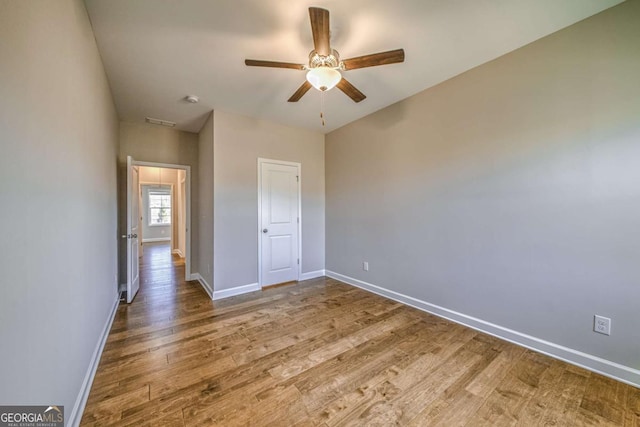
(156, 52)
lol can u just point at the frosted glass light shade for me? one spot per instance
(323, 78)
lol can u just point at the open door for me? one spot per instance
(133, 221)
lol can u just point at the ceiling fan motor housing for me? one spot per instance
(332, 60)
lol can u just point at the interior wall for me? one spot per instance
(205, 208)
(509, 193)
(58, 139)
(238, 143)
(158, 144)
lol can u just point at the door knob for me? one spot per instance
(264, 230)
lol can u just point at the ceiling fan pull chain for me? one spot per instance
(322, 107)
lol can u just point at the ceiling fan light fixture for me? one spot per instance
(325, 66)
(323, 78)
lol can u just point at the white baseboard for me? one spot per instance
(312, 275)
(156, 239)
(178, 252)
(78, 408)
(206, 286)
(593, 363)
(238, 290)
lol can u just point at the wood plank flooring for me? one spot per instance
(322, 353)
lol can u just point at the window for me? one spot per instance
(159, 208)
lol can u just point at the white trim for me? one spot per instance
(156, 239)
(78, 408)
(206, 286)
(155, 183)
(593, 363)
(187, 222)
(312, 275)
(298, 165)
(178, 252)
(238, 290)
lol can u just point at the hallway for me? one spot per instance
(159, 268)
(132, 356)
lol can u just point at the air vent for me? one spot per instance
(159, 122)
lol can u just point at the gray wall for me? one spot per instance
(510, 193)
(238, 142)
(205, 208)
(58, 139)
(153, 143)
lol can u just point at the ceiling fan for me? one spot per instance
(324, 67)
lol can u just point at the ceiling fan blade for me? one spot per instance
(320, 29)
(272, 64)
(350, 90)
(300, 92)
(382, 58)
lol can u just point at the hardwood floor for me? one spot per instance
(324, 353)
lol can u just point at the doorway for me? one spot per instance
(160, 194)
(159, 207)
(279, 222)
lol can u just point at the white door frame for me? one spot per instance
(187, 169)
(261, 161)
(182, 190)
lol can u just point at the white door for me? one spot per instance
(279, 218)
(133, 215)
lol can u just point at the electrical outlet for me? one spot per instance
(602, 325)
(365, 266)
